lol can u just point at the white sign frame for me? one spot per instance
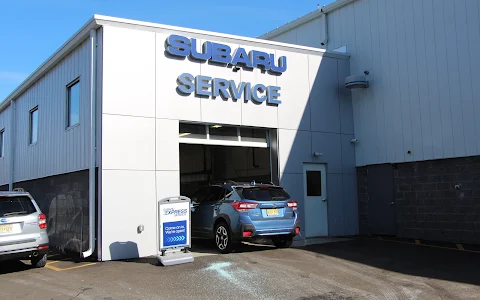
(172, 210)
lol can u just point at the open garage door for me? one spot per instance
(215, 153)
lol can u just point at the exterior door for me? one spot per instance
(381, 202)
(315, 195)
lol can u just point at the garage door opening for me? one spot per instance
(212, 153)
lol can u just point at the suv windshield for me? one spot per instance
(14, 206)
(263, 193)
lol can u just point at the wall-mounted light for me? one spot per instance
(356, 82)
(317, 154)
(354, 140)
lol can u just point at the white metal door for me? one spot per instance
(315, 195)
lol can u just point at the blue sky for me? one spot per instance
(32, 30)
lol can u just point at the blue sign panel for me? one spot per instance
(3, 220)
(174, 233)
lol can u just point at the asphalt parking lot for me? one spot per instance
(354, 269)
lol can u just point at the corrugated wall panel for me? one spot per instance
(423, 62)
(58, 150)
(5, 125)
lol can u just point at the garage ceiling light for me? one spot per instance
(184, 134)
(216, 126)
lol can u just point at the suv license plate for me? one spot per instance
(272, 212)
(6, 228)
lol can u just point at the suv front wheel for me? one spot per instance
(223, 238)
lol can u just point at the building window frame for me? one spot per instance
(2, 143)
(68, 115)
(202, 133)
(33, 134)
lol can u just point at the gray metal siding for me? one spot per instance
(58, 150)
(310, 34)
(5, 124)
(423, 60)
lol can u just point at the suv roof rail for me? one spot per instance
(18, 190)
(262, 182)
(223, 182)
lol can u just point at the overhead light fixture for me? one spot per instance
(216, 126)
(184, 134)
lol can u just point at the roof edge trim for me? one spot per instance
(112, 21)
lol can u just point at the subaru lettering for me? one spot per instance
(181, 46)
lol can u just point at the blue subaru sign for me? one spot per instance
(221, 54)
(181, 46)
(3, 220)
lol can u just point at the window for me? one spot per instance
(209, 194)
(192, 131)
(14, 206)
(219, 132)
(73, 104)
(2, 143)
(314, 183)
(33, 125)
(263, 193)
(253, 135)
(225, 135)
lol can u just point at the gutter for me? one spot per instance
(93, 139)
(325, 29)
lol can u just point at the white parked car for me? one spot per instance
(23, 229)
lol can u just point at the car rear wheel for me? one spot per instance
(39, 261)
(223, 239)
(283, 242)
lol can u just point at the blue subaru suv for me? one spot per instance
(230, 212)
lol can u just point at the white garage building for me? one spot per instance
(128, 112)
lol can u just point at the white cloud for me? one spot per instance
(13, 76)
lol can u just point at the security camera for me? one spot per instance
(458, 186)
(354, 140)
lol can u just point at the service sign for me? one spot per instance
(222, 55)
(174, 224)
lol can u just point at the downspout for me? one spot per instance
(325, 27)
(12, 144)
(91, 180)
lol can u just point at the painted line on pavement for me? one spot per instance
(49, 266)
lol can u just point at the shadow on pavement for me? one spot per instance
(428, 262)
(7, 267)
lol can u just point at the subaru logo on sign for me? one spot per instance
(3, 220)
